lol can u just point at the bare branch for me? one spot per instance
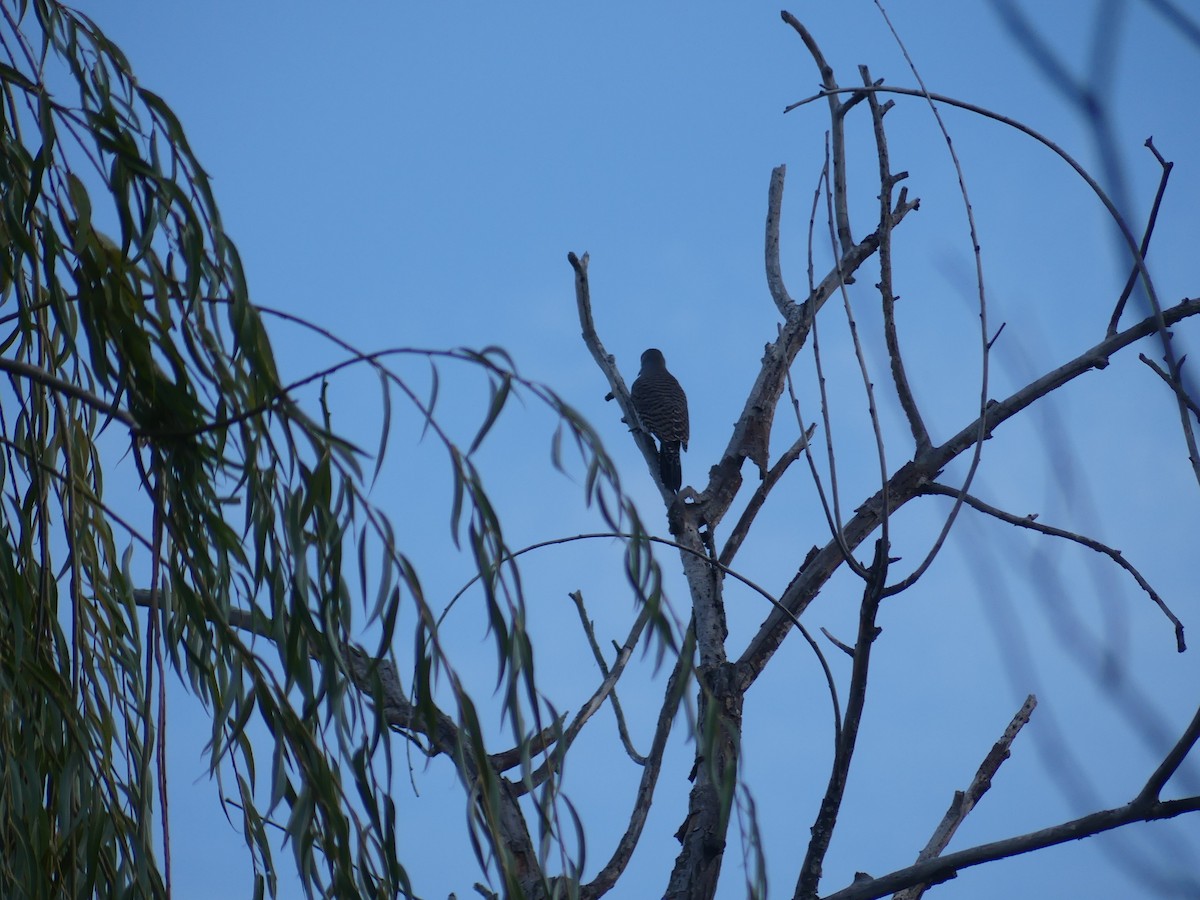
(885, 237)
(943, 868)
(577, 596)
(1062, 154)
(1173, 384)
(553, 760)
(779, 291)
(912, 477)
(608, 365)
(837, 116)
(1145, 245)
(984, 338)
(1170, 763)
(845, 648)
(887, 182)
(1092, 544)
(1174, 380)
(965, 801)
(822, 829)
(742, 528)
(751, 433)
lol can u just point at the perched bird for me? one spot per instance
(662, 406)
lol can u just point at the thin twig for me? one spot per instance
(885, 235)
(1092, 183)
(742, 528)
(1173, 384)
(837, 116)
(887, 181)
(832, 513)
(984, 337)
(832, 510)
(844, 647)
(1092, 544)
(553, 761)
(1145, 245)
(577, 597)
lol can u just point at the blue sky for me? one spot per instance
(414, 175)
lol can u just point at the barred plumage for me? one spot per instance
(662, 407)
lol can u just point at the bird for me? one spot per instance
(662, 406)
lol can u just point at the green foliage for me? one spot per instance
(254, 518)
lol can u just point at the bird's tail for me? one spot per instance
(669, 466)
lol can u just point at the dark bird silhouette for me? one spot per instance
(662, 406)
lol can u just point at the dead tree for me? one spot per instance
(725, 675)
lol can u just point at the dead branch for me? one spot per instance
(1092, 544)
(888, 181)
(742, 528)
(608, 365)
(1173, 376)
(837, 118)
(553, 760)
(912, 477)
(1145, 245)
(965, 801)
(885, 237)
(779, 292)
(622, 730)
(752, 430)
(1171, 762)
(984, 337)
(1173, 384)
(943, 868)
(822, 829)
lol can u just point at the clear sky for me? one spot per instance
(415, 174)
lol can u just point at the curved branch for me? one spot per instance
(837, 117)
(984, 337)
(779, 292)
(1170, 763)
(1092, 544)
(1091, 182)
